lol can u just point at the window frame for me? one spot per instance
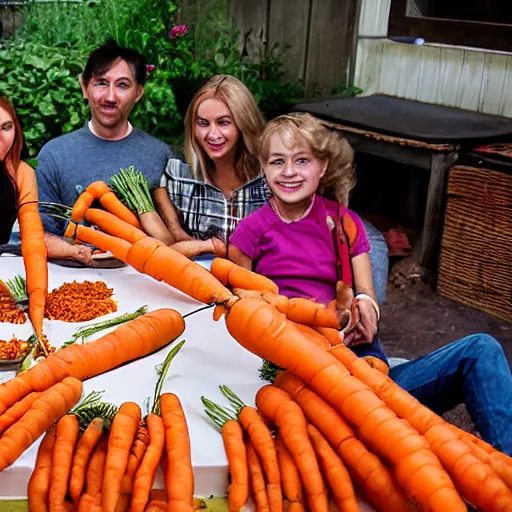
(490, 36)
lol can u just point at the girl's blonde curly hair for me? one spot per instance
(325, 144)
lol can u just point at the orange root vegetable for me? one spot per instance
(179, 478)
(48, 408)
(330, 334)
(234, 276)
(90, 503)
(14, 413)
(257, 480)
(265, 332)
(290, 477)
(33, 247)
(236, 452)
(117, 246)
(335, 473)
(95, 468)
(129, 341)
(263, 444)
(66, 435)
(84, 450)
(145, 474)
(277, 407)
(134, 460)
(122, 434)
(84, 201)
(368, 471)
(169, 215)
(111, 203)
(114, 226)
(39, 483)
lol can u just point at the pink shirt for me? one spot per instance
(298, 256)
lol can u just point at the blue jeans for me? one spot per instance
(379, 259)
(473, 370)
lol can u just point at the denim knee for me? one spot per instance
(482, 345)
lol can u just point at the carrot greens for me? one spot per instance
(133, 190)
(92, 407)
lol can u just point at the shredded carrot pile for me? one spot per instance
(78, 302)
(9, 312)
(13, 349)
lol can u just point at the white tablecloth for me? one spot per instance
(210, 357)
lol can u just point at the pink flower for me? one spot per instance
(178, 31)
(150, 67)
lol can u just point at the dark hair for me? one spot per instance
(103, 58)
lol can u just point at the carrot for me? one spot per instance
(84, 451)
(290, 477)
(151, 257)
(49, 407)
(257, 480)
(236, 452)
(467, 475)
(66, 435)
(265, 332)
(84, 201)
(263, 444)
(366, 468)
(33, 247)
(95, 468)
(129, 341)
(169, 215)
(113, 225)
(89, 503)
(334, 472)
(14, 413)
(234, 276)
(330, 334)
(134, 460)
(39, 482)
(110, 202)
(122, 434)
(277, 407)
(145, 475)
(179, 478)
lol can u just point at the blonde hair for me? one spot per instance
(248, 120)
(326, 145)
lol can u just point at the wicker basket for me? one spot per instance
(475, 267)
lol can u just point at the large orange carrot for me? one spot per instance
(113, 225)
(134, 460)
(122, 434)
(236, 452)
(33, 248)
(277, 407)
(366, 468)
(95, 468)
(151, 257)
(39, 482)
(455, 455)
(263, 444)
(290, 477)
(257, 480)
(49, 407)
(130, 341)
(84, 451)
(234, 276)
(334, 472)
(264, 331)
(66, 435)
(14, 413)
(146, 473)
(179, 478)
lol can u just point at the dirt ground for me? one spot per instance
(416, 321)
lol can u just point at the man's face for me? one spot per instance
(112, 96)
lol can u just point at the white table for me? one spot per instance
(210, 357)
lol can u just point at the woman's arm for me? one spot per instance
(169, 215)
(239, 257)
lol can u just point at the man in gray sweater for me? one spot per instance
(112, 82)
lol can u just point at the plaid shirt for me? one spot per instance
(203, 209)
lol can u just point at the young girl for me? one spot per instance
(304, 238)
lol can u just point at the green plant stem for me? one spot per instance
(233, 399)
(218, 414)
(163, 370)
(17, 287)
(92, 407)
(131, 186)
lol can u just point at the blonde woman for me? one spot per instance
(221, 181)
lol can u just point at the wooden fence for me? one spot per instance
(317, 37)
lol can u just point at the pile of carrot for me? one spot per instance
(345, 425)
(79, 302)
(10, 312)
(13, 348)
(113, 469)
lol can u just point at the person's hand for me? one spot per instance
(59, 249)
(367, 324)
(83, 254)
